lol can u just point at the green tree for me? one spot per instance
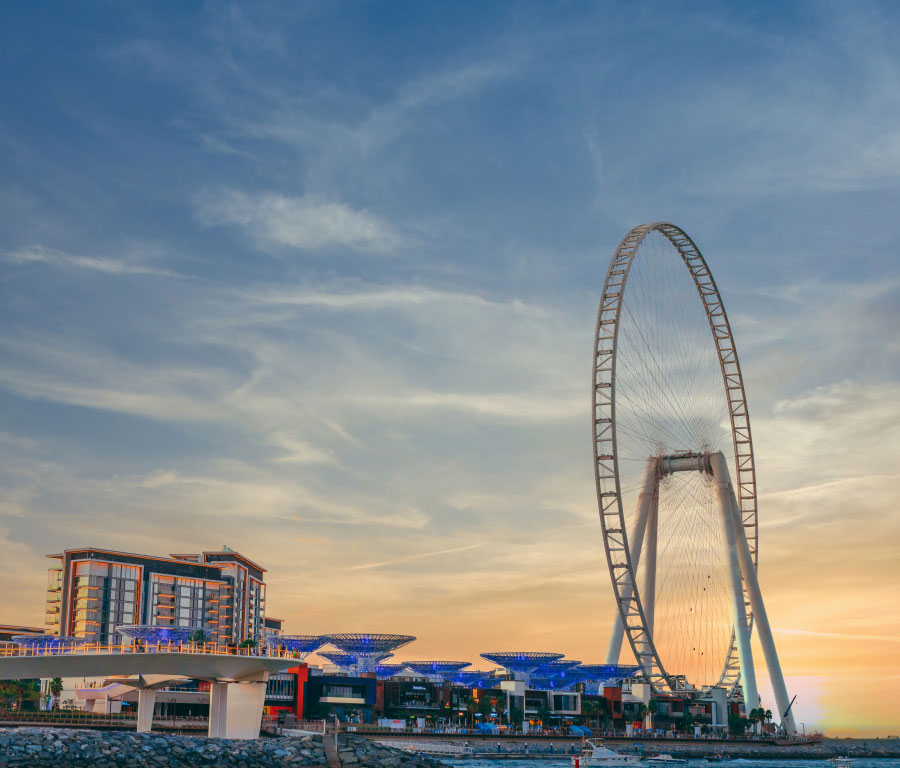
(603, 710)
(686, 724)
(737, 725)
(198, 637)
(7, 691)
(516, 716)
(485, 707)
(544, 714)
(588, 710)
(18, 691)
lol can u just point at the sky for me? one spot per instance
(318, 281)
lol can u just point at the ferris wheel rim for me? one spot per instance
(605, 440)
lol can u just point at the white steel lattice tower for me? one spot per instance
(675, 474)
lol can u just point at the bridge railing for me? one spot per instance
(86, 649)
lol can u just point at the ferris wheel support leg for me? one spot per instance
(761, 619)
(645, 499)
(724, 493)
(649, 597)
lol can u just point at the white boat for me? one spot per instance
(665, 760)
(842, 762)
(595, 754)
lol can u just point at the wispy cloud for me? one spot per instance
(307, 222)
(389, 121)
(375, 298)
(409, 558)
(501, 405)
(38, 254)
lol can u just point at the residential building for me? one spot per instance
(91, 592)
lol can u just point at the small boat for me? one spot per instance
(718, 758)
(842, 762)
(663, 759)
(595, 754)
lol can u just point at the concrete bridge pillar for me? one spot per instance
(235, 709)
(218, 699)
(146, 702)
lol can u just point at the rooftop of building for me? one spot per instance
(194, 559)
(102, 551)
(236, 556)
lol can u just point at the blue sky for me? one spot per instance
(318, 281)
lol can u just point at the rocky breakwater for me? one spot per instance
(358, 752)
(65, 748)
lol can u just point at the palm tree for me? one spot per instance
(472, 708)
(55, 688)
(757, 716)
(647, 711)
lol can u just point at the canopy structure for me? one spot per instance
(300, 645)
(552, 668)
(521, 664)
(557, 675)
(474, 678)
(561, 681)
(437, 670)
(47, 642)
(368, 649)
(147, 633)
(601, 675)
(340, 658)
(350, 661)
(384, 671)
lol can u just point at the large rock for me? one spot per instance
(54, 748)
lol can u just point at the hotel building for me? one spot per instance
(91, 592)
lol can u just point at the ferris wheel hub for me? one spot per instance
(686, 461)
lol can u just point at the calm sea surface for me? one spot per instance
(860, 762)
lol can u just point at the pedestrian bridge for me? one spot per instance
(237, 677)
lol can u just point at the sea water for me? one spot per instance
(858, 762)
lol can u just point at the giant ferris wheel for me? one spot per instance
(675, 473)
